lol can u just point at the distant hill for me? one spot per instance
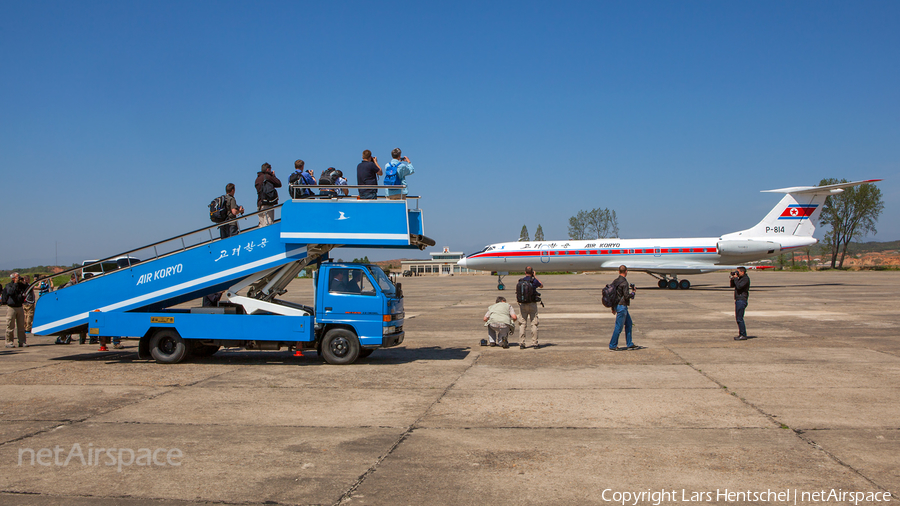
(872, 247)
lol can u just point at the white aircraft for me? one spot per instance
(789, 225)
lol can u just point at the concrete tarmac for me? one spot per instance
(810, 404)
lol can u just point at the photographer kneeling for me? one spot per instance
(499, 321)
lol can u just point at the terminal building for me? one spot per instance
(442, 263)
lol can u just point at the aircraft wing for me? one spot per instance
(674, 267)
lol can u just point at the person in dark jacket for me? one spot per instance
(14, 295)
(367, 173)
(623, 319)
(741, 283)
(262, 203)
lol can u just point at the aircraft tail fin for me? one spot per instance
(797, 213)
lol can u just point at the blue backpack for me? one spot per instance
(306, 179)
(391, 178)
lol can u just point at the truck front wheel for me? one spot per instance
(340, 346)
(167, 347)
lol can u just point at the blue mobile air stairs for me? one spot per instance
(261, 259)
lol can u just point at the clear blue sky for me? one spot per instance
(122, 120)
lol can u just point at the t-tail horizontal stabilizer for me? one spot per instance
(795, 216)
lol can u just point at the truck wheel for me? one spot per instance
(167, 347)
(340, 347)
(365, 352)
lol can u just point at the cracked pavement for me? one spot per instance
(809, 403)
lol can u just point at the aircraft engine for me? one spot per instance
(745, 248)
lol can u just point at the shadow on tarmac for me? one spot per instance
(391, 356)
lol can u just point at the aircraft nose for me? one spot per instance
(461, 262)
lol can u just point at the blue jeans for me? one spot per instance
(622, 318)
(739, 306)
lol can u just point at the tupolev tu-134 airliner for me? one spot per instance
(789, 225)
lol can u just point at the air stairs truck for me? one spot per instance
(357, 309)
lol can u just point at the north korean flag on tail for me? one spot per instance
(798, 211)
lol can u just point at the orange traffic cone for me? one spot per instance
(298, 353)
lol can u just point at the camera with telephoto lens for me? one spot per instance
(632, 290)
(734, 273)
(537, 298)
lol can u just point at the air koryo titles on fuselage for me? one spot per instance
(789, 225)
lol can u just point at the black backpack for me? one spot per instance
(217, 211)
(609, 296)
(327, 177)
(524, 291)
(269, 194)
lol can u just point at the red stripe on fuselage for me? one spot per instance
(648, 251)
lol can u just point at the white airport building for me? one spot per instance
(442, 263)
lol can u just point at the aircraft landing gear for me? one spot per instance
(500, 285)
(671, 283)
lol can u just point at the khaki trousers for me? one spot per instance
(29, 315)
(15, 324)
(528, 312)
(267, 218)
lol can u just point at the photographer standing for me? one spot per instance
(741, 283)
(528, 298)
(624, 294)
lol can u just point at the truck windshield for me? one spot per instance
(383, 281)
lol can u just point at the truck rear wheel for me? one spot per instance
(167, 347)
(340, 346)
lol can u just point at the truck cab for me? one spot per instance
(358, 310)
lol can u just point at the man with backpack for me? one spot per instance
(528, 297)
(266, 194)
(14, 298)
(302, 178)
(395, 173)
(623, 295)
(332, 177)
(230, 228)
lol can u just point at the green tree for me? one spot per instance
(523, 235)
(539, 233)
(602, 223)
(852, 215)
(578, 226)
(781, 260)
